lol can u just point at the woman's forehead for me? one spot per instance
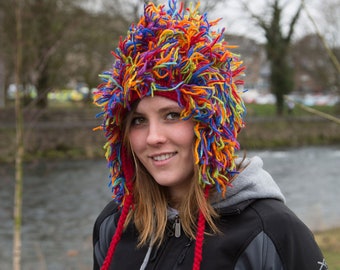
(156, 103)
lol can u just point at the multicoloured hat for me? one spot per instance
(176, 53)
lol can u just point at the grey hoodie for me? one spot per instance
(253, 182)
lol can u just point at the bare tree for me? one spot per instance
(19, 141)
(329, 37)
(52, 22)
(277, 49)
(46, 28)
(330, 23)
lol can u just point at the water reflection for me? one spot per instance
(62, 200)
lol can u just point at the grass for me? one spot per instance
(269, 110)
(329, 242)
(300, 128)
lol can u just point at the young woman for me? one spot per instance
(182, 199)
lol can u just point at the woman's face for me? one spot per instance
(163, 143)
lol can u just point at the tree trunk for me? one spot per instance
(19, 144)
(279, 104)
(2, 96)
(42, 88)
(2, 87)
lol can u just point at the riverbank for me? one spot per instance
(329, 242)
(66, 132)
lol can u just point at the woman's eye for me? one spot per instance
(173, 116)
(137, 121)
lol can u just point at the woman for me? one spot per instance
(181, 197)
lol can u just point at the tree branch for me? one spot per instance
(292, 24)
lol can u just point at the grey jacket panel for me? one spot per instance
(260, 254)
(106, 231)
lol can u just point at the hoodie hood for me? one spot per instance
(252, 183)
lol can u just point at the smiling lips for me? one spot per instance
(163, 156)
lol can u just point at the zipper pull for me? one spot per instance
(177, 226)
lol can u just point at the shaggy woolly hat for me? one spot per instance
(175, 53)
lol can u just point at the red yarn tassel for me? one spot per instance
(127, 168)
(200, 235)
(118, 233)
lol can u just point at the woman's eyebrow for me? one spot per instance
(170, 108)
(137, 113)
(161, 110)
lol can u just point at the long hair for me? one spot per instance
(151, 201)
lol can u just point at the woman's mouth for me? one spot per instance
(163, 157)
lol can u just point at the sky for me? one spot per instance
(237, 20)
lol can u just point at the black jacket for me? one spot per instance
(255, 234)
(258, 232)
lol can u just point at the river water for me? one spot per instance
(62, 200)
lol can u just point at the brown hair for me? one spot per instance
(151, 200)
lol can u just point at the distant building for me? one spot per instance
(313, 70)
(254, 57)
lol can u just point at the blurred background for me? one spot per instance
(51, 53)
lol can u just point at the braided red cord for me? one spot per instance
(128, 173)
(118, 233)
(200, 236)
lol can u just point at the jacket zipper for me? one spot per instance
(183, 253)
(173, 231)
(177, 227)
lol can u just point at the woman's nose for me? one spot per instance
(156, 134)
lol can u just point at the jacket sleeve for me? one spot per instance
(286, 242)
(103, 231)
(297, 247)
(260, 254)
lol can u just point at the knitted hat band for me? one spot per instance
(167, 94)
